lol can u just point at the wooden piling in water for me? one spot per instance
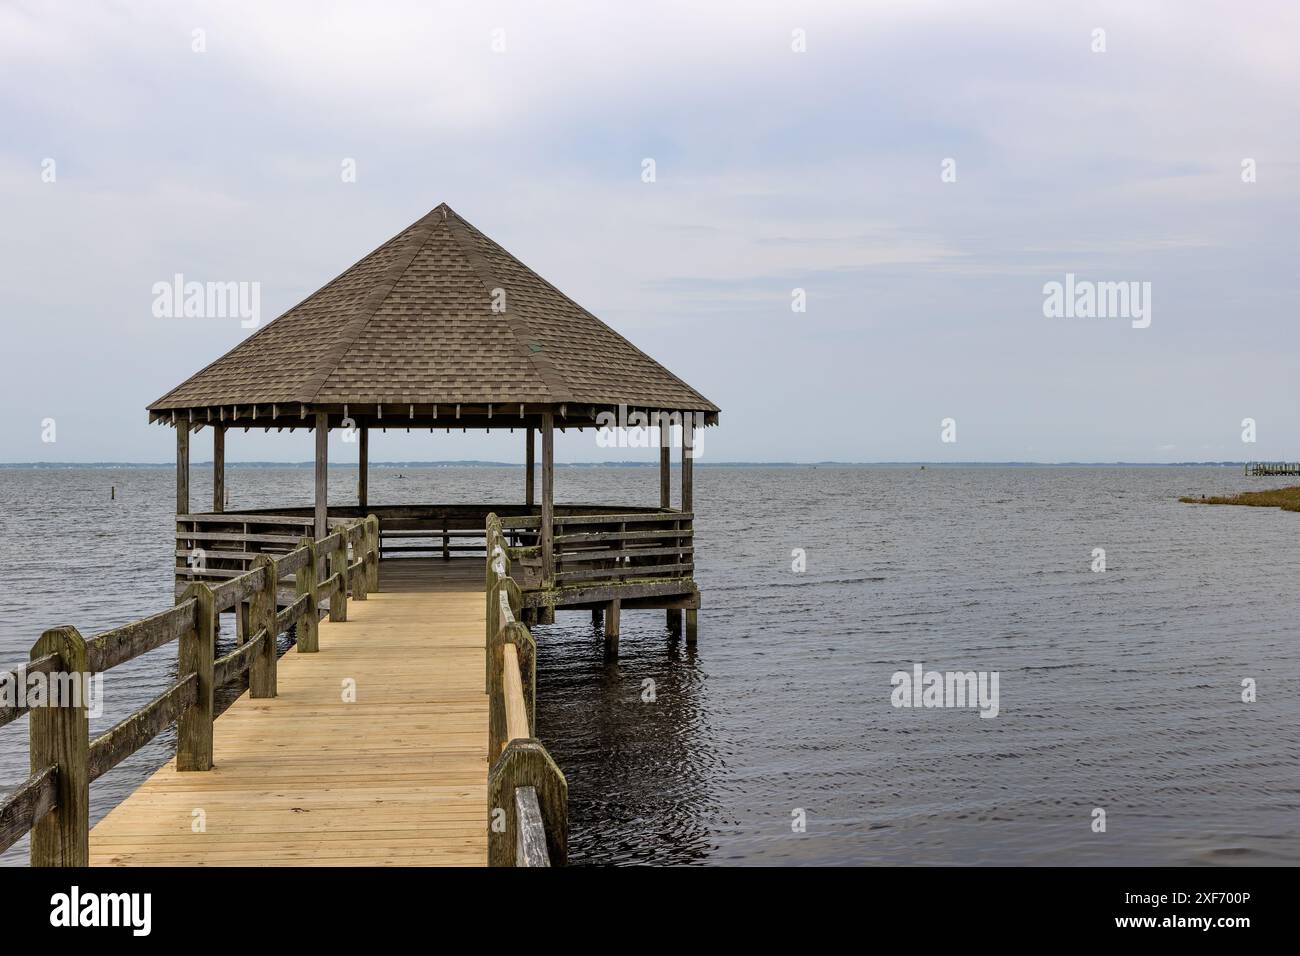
(612, 612)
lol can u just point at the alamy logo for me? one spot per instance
(75, 908)
(59, 689)
(179, 299)
(631, 429)
(922, 688)
(1082, 299)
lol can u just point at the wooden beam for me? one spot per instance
(305, 583)
(218, 470)
(665, 463)
(526, 763)
(195, 656)
(322, 473)
(182, 468)
(548, 499)
(612, 610)
(587, 595)
(688, 462)
(363, 468)
(530, 465)
(262, 617)
(60, 737)
(688, 504)
(530, 829)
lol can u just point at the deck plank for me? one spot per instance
(397, 778)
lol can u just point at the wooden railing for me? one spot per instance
(622, 547)
(53, 804)
(528, 796)
(593, 545)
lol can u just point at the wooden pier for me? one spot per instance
(374, 741)
(1271, 469)
(374, 750)
(398, 733)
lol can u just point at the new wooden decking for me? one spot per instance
(397, 778)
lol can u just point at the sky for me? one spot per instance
(922, 171)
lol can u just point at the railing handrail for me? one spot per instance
(527, 792)
(53, 802)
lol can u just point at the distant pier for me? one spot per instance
(1264, 469)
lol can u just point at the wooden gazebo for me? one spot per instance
(440, 327)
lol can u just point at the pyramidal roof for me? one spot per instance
(438, 314)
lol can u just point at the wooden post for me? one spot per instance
(692, 625)
(548, 500)
(597, 616)
(60, 738)
(261, 674)
(526, 763)
(530, 465)
(195, 654)
(665, 462)
(363, 467)
(322, 474)
(182, 468)
(688, 461)
(309, 623)
(612, 610)
(675, 620)
(491, 614)
(361, 580)
(218, 469)
(372, 551)
(339, 566)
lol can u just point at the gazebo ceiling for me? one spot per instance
(438, 319)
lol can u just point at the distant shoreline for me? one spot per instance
(700, 463)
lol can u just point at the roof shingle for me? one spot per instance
(414, 322)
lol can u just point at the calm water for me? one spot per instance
(1118, 690)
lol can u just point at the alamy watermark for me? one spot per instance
(58, 689)
(922, 688)
(74, 908)
(179, 299)
(1084, 299)
(624, 429)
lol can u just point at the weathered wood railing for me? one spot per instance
(53, 804)
(433, 542)
(527, 794)
(634, 546)
(609, 548)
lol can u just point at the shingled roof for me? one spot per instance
(413, 323)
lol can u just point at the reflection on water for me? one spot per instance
(639, 718)
(1119, 690)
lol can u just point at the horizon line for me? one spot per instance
(489, 463)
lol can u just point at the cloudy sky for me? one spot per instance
(775, 169)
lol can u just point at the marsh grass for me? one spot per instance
(1288, 499)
